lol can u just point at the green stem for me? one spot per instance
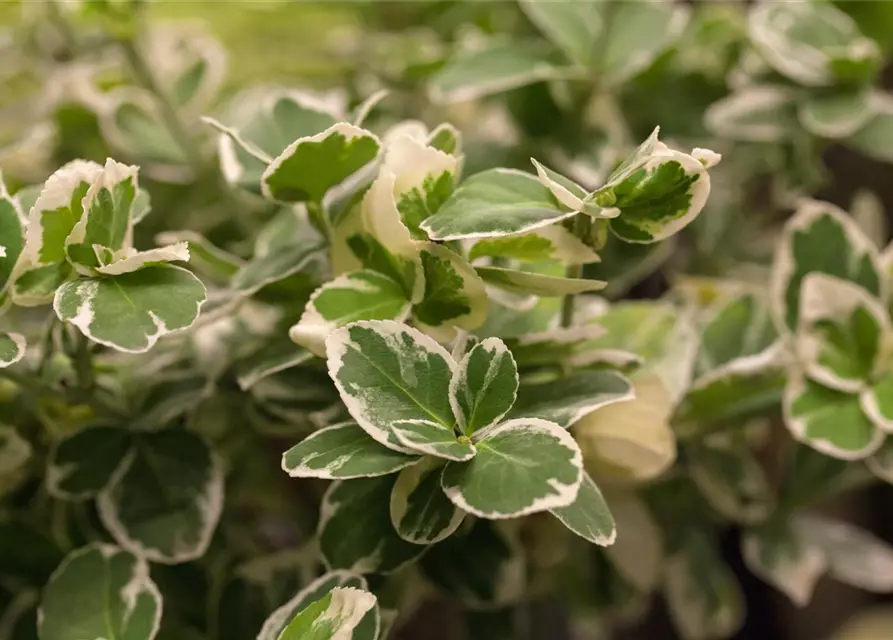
(567, 303)
(83, 365)
(144, 77)
(319, 219)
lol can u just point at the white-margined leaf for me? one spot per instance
(183, 462)
(355, 531)
(758, 113)
(660, 198)
(813, 44)
(105, 225)
(554, 242)
(12, 232)
(881, 463)
(100, 591)
(840, 332)
(268, 119)
(420, 511)
(855, 556)
(276, 357)
(342, 451)
(130, 312)
(454, 293)
(335, 616)
(638, 551)
(573, 27)
(784, 560)
(207, 259)
(386, 371)
(877, 401)
(588, 515)
(190, 63)
(287, 245)
(570, 194)
(42, 267)
(703, 595)
(310, 167)
(522, 466)
(828, 420)
(817, 231)
(277, 621)
(495, 203)
(567, 400)
(874, 137)
(484, 386)
(496, 67)
(360, 295)
(83, 463)
(839, 114)
(736, 326)
(12, 348)
(432, 439)
(632, 439)
(130, 260)
(537, 284)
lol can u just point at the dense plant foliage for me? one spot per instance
(538, 301)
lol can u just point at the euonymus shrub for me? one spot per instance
(384, 376)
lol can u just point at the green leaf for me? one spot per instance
(83, 463)
(454, 293)
(132, 311)
(132, 123)
(355, 531)
(432, 439)
(660, 198)
(42, 267)
(342, 451)
(636, 34)
(839, 114)
(275, 624)
(735, 390)
(446, 138)
(573, 27)
(14, 453)
(278, 356)
(206, 258)
(183, 463)
(105, 225)
(737, 326)
(855, 556)
(537, 284)
(361, 295)
(333, 617)
(775, 554)
(813, 44)
(569, 193)
(731, 479)
(100, 591)
(840, 332)
(588, 516)
(566, 400)
(555, 242)
(287, 245)
(13, 234)
(420, 512)
(497, 67)
(484, 566)
(874, 138)
(877, 402)
(820, 238)
(129, 260)
(829, 421)
(268, 120)
(386, 371)
(484, 386)
(12, 348)
(758, 113)
(703, 595)
(495, 203)
(309, 167)
(522, 466)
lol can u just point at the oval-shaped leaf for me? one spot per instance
(132, 311)
(420, 511)
(355, 531)
(334, 617)
(829, 421)
(433, 439)
(495, 203)
(182, 462)
(877, 402)
(537, 284)
(342, 451)
(784, 560)
(386, 371)
(484, 386)
(839, 114)
(759, 113)
(522, 466)
(82, 464)
(12, 348)
(12, 231)
(100, 591)
(588, 516)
